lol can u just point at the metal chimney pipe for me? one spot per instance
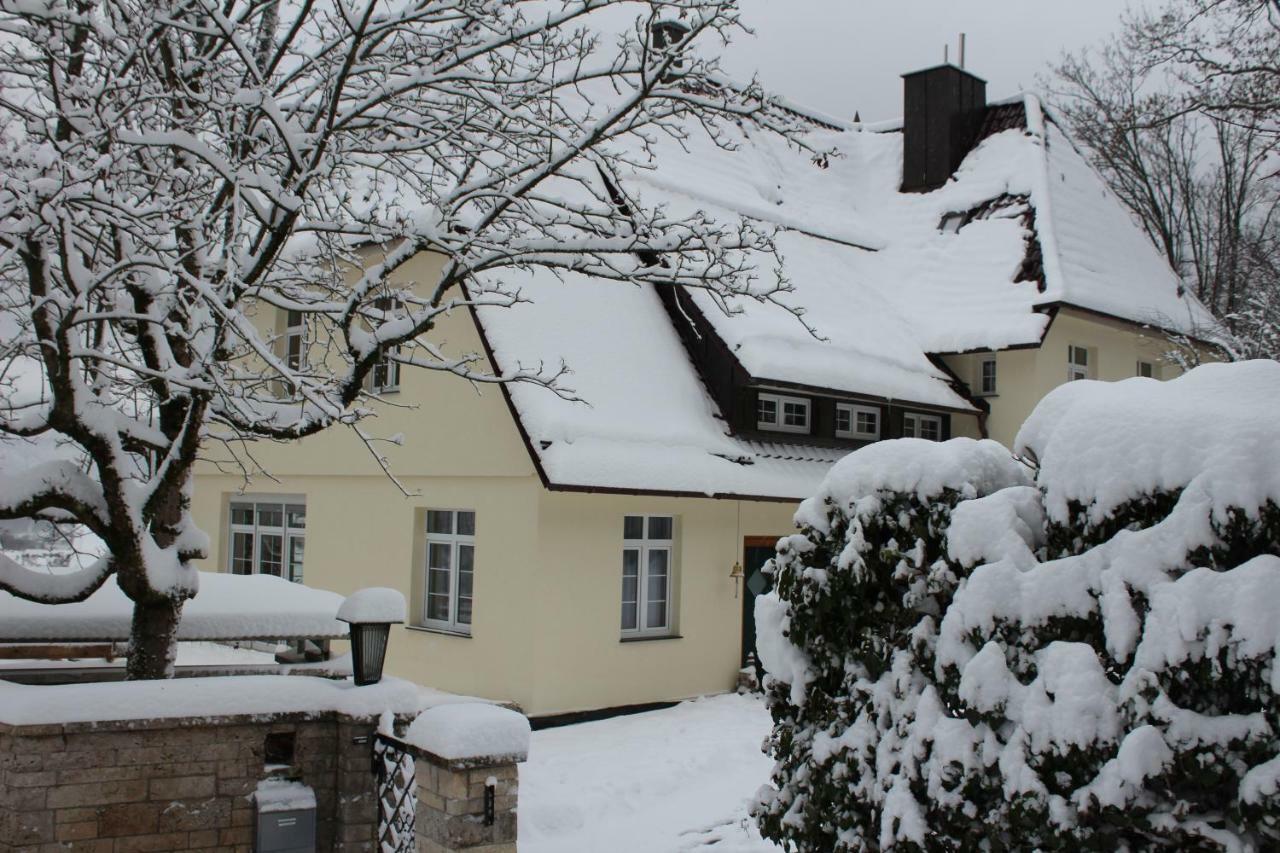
(962, 50)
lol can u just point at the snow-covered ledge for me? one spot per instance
(465, 760)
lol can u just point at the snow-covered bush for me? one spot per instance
(969, 663)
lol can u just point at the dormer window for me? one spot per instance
(780, 413)
(859, 422)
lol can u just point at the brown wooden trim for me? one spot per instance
(665, 493)
(760, 541)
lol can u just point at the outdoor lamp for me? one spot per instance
(371, 612)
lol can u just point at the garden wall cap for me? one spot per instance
(373, 605)
(469, 731)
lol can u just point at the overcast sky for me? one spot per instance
(845, 55)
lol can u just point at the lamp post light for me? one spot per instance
(371, 612)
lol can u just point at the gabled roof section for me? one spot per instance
(885, 280)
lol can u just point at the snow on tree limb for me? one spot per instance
(209, 214)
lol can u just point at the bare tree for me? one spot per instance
(171, 168)
(1196, 180)
(1226, 52)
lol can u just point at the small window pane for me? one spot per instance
(660, 527)
(294, 352)
(242, 553)
(296, 516)
(868, 423)
(466, 524)
(656, 589)
(438, 606)
(930, 429)
(439, 556)
(843, 422)
(633, 527)
(242, 514)
(297, 549)
(439, 521)
(1145, 368)
(630, 588)
(466, 567)
(795, 414)
(295, 319)
(270, 554)
(270, 515)
(767, 411)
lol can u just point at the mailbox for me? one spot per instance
(286, 817)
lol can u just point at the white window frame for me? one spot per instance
(455, 542)
(387, 364)
(780, 402)
(390, 383)
(644, 547)
(290, 534)
(913, 421)
(983, 389)
(1075, 369)
(853, 432)
(292, 333)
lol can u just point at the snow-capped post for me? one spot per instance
(208, 212)
(466, 755)
(371, 612)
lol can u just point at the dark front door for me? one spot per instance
(756, 552)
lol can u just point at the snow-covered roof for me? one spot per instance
(882, 284)
(228, 607)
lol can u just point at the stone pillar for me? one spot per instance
(451, 813)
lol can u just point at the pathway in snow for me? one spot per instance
(669, 781)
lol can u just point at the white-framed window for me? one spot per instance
(268, 536)
(385, 376)
(862, 422)
(1147, 369)
(648, 545)
(781, 413)
(294, 339)
(1077, 363)
(917, 425)
(987, 376)
(451, 557)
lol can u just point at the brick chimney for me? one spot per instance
(942, 114)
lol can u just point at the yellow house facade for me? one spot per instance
(601, 547)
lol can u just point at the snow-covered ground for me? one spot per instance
(665, 781)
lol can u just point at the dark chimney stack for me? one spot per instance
(942, 114)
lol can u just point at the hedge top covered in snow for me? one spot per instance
(373, 604)
(462, 732)
(228, 607)
(914, 466)
(1101, 444)
(880, 281)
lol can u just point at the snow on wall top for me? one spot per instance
(22, 704)
(228, 607)
(878, 279)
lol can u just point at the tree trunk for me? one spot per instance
(153, 640)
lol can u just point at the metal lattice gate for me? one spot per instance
(394, 776)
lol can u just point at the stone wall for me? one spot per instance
(179, 784)
(451, 813)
